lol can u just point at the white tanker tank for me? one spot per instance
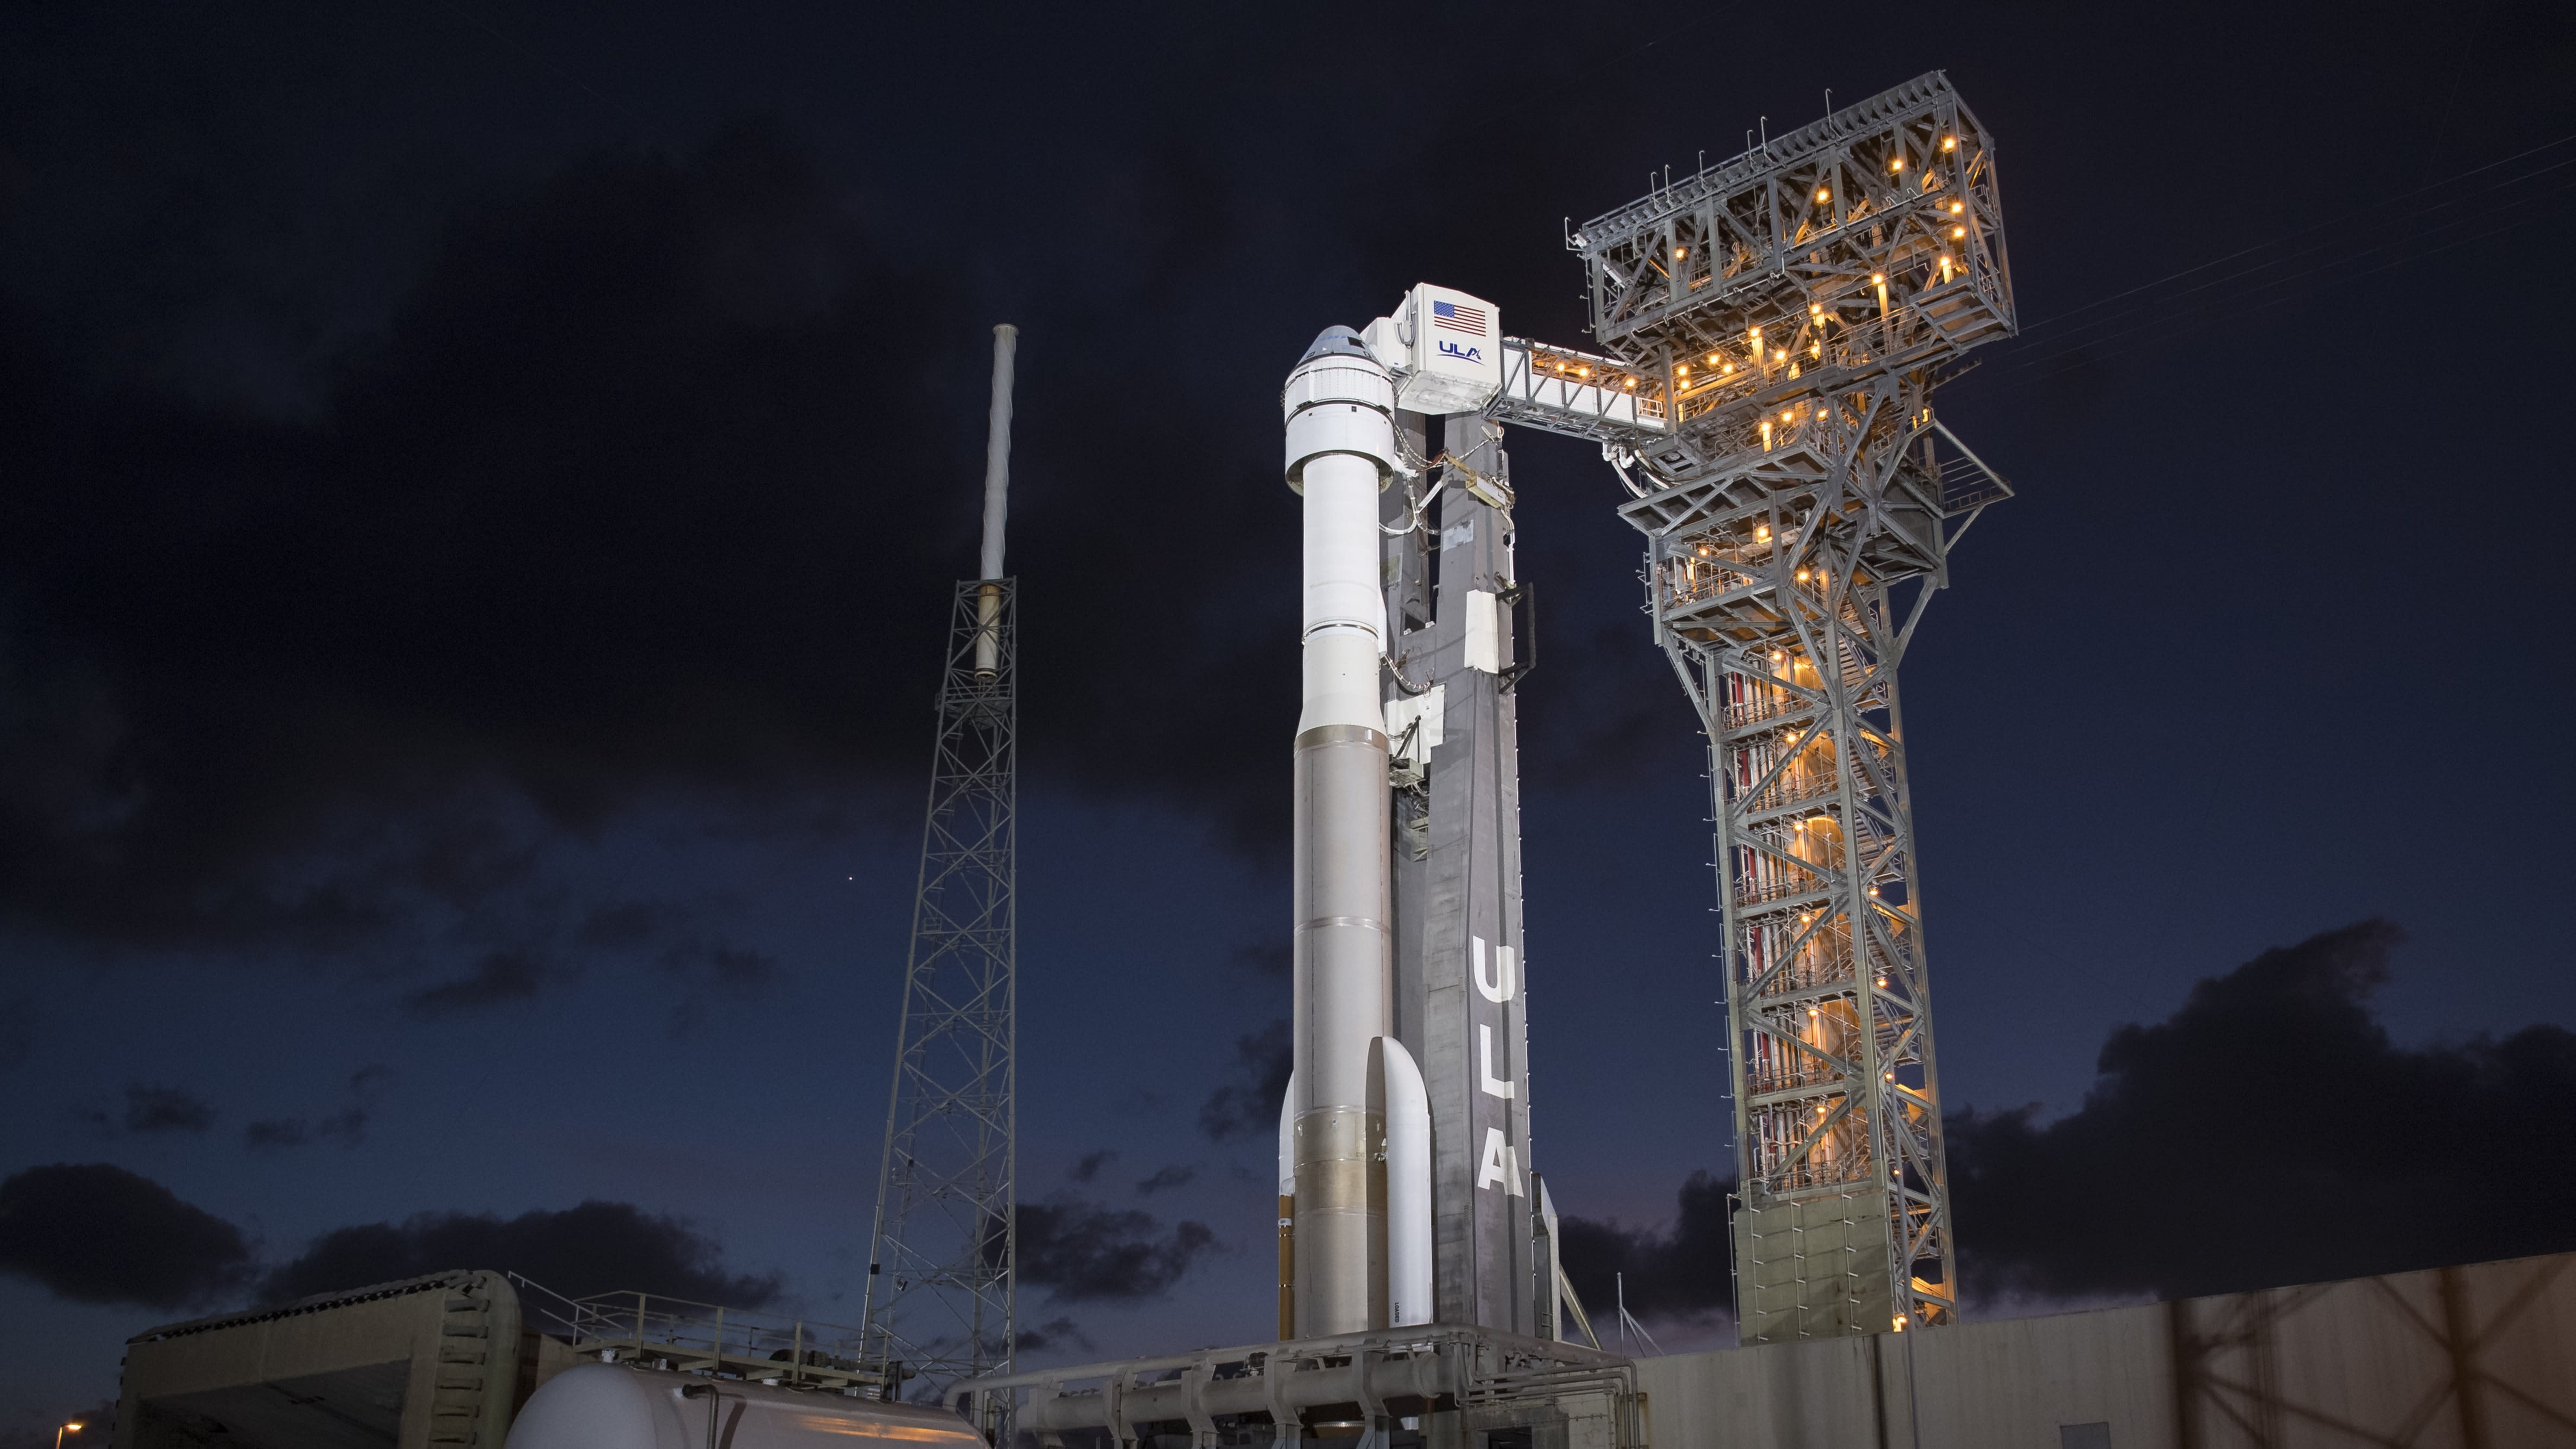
(604, 1406)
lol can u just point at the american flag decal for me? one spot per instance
(1470, 320)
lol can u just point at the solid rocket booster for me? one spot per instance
(1341, 451)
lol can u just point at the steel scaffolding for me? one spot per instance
(939, 1302)
(1775, 326)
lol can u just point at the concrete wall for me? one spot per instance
(2474, 1357)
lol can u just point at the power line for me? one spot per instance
(2166, 299)
(2353, 215)
(2165, 319)
(2166, 322)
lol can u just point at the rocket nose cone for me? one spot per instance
(1336, 342)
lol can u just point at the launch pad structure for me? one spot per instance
(942, 1283)
(1771, 333)
(1789, 314)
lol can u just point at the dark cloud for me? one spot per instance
(1054, 1333)
(95, 1233)
(166, 1109)
(597, 1247)
(499, 979)
(577, 525)
(1079, 1250)
(1166, 1178)
(1685, 1270)
(2270, 1132)
(1087, 1166)
(151, 1110)
(1248, 1106)
(741, 970)
(342, 1129)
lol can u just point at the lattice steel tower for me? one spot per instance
(941, 1267)
(1780, 322)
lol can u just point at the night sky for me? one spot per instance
(479, 489)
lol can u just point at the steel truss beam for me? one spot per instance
(1775, 581)
(1774, 328)
(940, 1297)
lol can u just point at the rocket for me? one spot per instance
(1355, 1154)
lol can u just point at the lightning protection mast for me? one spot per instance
(1776, 325)
(941, 1266)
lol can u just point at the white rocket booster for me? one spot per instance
(1349, 1275)
(1341, 451)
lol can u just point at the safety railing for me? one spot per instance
(685, 1337)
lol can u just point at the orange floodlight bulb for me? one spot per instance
(1823, 195)
(1949, 143)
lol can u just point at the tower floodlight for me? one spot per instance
(941, 1266)
(1775, 326)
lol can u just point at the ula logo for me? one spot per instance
(1463, 354)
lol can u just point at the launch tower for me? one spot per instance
(940, 1297)
(1776, 326)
